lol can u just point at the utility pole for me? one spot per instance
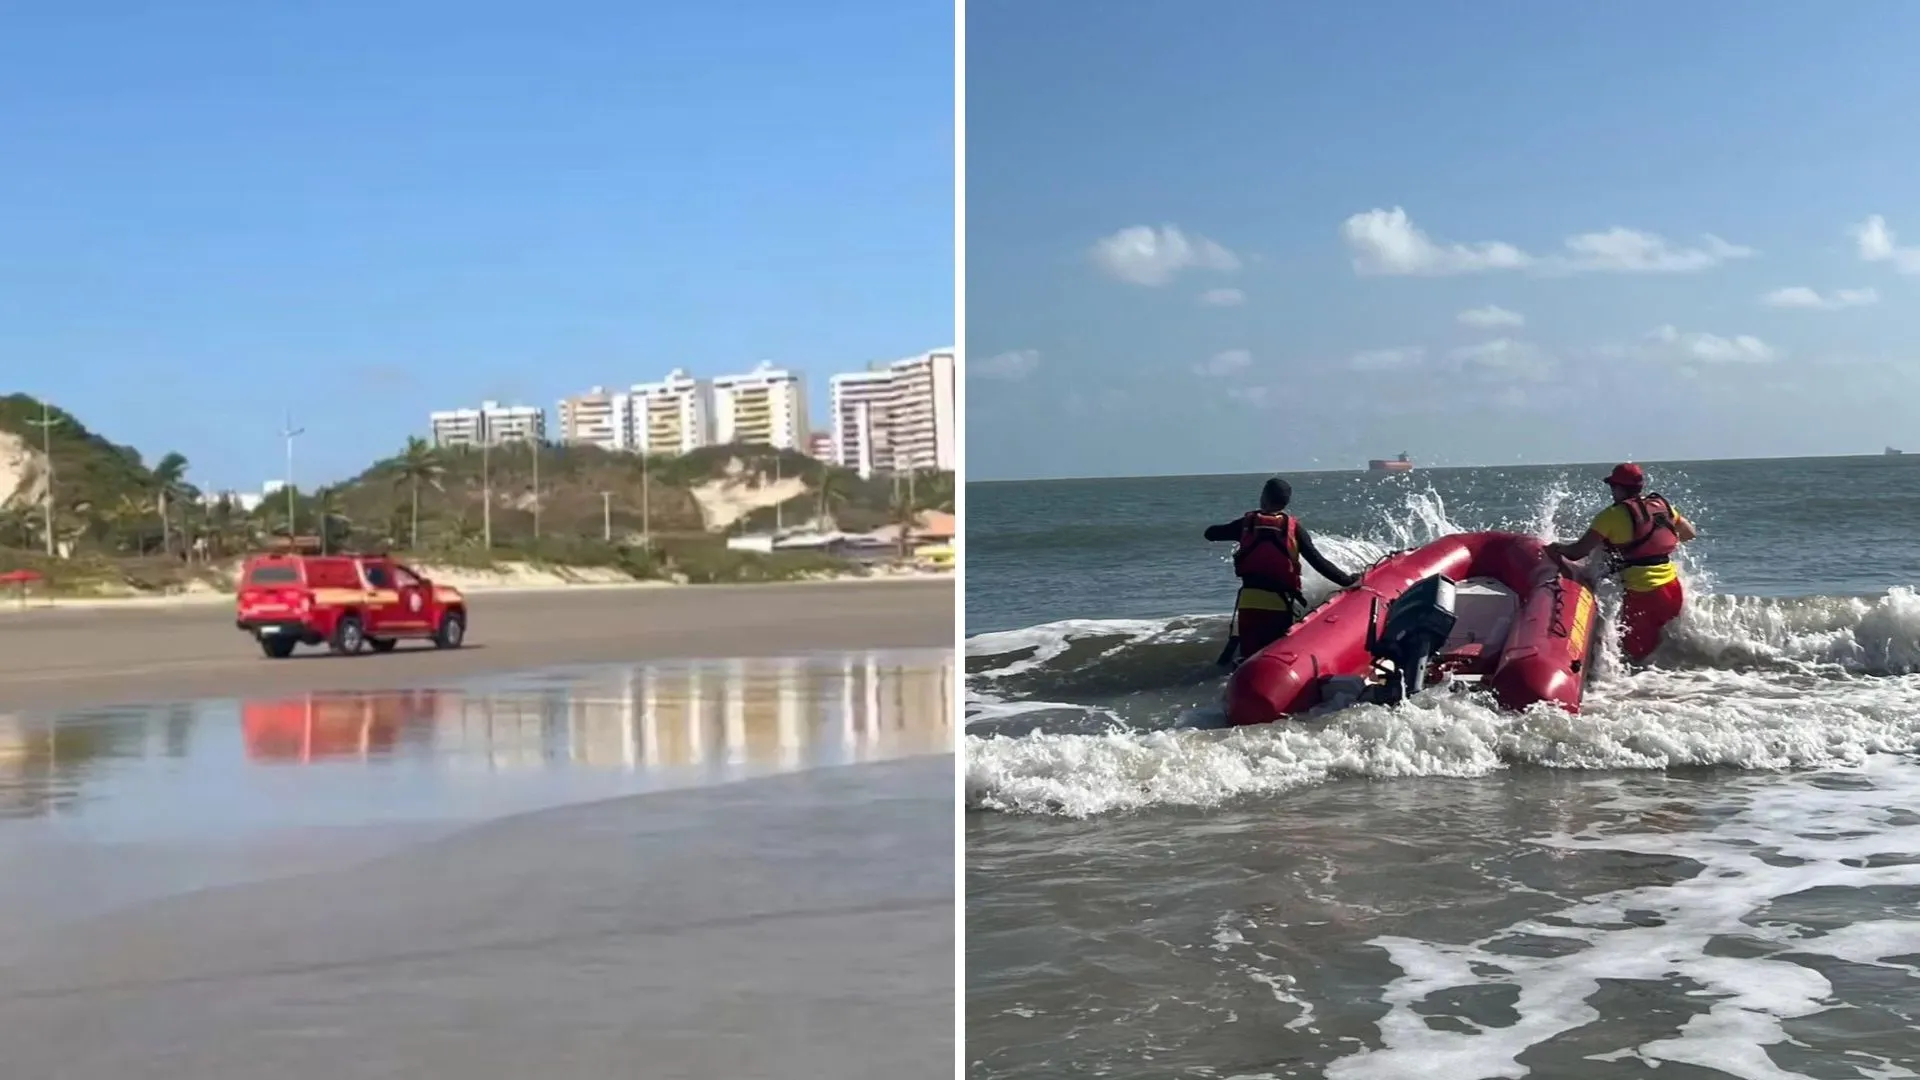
(778, 508)
(45, 424)
(536, 486)
(486, 484)
(291, 433)
(606, 516)
(646, 507)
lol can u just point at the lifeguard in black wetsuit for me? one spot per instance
(1272, 545)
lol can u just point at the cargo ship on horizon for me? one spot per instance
(1403, 463)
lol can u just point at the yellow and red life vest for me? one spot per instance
(1268, 556)
(1654, 538)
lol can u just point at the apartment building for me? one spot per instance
(490, 424)
(514, 423)
(456, 427)
(896, 416)
(674, 415)
(862, 402)
(764, 407)
(920, 431)
(820, 446)
(598, 418)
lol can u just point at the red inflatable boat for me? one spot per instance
(1491, 607)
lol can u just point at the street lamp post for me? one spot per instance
(291, 433)
(45, 424)
(536, 486)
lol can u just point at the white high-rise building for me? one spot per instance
(764, 407)
(598, 418)
(513, 423)
(896, 416)
(862, 402)
(921, 434)
(456, 427)
(674, 415)
(491, 423)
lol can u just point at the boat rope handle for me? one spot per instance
(1559, 605)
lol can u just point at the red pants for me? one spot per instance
(1260, 628)
(1646, 615)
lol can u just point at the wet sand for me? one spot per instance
(787, 927)
(68, 658)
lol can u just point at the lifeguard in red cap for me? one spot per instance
(1640, 532)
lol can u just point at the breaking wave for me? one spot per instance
(1086, 716)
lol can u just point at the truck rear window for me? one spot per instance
(274, 575)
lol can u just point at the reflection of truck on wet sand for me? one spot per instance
(320, 726)
(1403, 463)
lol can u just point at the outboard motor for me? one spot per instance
(1417, 625)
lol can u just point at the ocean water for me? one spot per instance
(1712, 871)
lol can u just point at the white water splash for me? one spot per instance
(1653, 720)
(1749, 682)
(1784, 840)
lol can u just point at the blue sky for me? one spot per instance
(1248, 236)
(218, 211)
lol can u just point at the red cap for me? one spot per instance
(1627, 475)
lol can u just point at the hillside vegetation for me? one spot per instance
(148, 526)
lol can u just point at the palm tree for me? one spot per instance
(419, 462)
(226, 523)
(169, 486)
(326, 511)
(906, 510)
(833, 493)
(128, 519)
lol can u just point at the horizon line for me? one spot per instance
(1422, 468)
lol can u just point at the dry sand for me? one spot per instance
(133, 652)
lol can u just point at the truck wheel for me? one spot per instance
(349, 637)
(382, 644)
(452, 632)
(277, 646)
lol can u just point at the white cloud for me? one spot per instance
(1876, 243)
(1388, 359)
(1506, 358)
(1224, 363)
(1257, 396)
(1223, 298)
(1672, 343)
(1011, 366)
(1147, 256)
(1490, 316)
(1386, 242)
(1799, 296)
(1630, 251)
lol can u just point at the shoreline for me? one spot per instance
(523, 580)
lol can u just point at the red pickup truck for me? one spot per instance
(345, 602)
